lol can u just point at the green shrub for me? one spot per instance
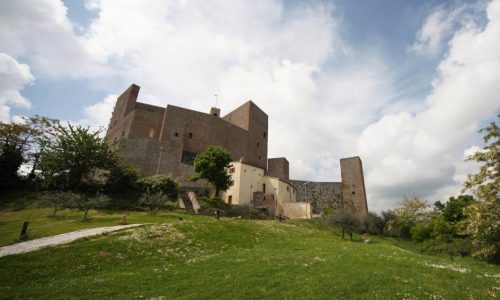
(160, 184)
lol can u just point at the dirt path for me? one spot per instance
(58, 239)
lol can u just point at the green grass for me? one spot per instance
(201, 258)
(42, 224)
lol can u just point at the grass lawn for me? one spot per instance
(41, 224)
(200, 258)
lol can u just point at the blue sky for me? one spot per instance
(403, 84)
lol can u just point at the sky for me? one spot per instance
(405, 85)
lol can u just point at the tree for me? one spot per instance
(59, 199)
(13, 142)
(72, 161)
(160, 184)
(344, 219)
(412, 211)
(453, 210)
(86, 203)
(212, 165)
(22, 143)
(122, 180)
(153, 201)
(373, 223)
(483, 222)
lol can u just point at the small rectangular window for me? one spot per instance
(190, 135)
(263, 187)
(231, 170)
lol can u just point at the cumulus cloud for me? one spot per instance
(421, 154)
(97, 115)
(42, 34)
(14, 76)
(184, 52)
(437, 28)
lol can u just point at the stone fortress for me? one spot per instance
(165, 140)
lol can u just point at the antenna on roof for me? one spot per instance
(215, 100)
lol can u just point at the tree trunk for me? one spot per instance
(85, 216)
(217, 192)
(55, 210)
(343, 230)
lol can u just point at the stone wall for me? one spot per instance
(353, 185)
(145, 132)
(278, 167)
(321, 194)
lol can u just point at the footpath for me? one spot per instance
(59, 239)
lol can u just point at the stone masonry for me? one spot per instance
(165, 140)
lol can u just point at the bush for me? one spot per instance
(160, 184)
(373, 223)
(344, 219)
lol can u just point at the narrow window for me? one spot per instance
(123, 133)
(287, 188)
(353, 192)
(190, 135)
(257, 144)
(264, 188)
(231, 170)
(260, 157)
(264, 134)
(176, 134)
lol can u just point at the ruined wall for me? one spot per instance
(353, 185)
(278, 167)
(321, 194)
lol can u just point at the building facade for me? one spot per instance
(165, 140)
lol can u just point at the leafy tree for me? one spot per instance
(60, 199)
(13, 142)
(160, 184)
(44, 132)
(453, 211)
(71, 163)
(436, 227)
(122, 180)
(373, 223)
(153, 201)
(22, 143)
(211, 165)
(344, 219)
(86, 202)
(484, 215)
(412, 211)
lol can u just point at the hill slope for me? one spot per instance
(202, 258)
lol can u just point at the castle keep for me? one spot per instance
(158, 140)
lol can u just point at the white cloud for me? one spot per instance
(97, 115)
(436, 29)
(422, 154)
(14, 76)
(183, 53)
(41, 33)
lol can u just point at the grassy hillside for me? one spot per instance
(202, 258)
